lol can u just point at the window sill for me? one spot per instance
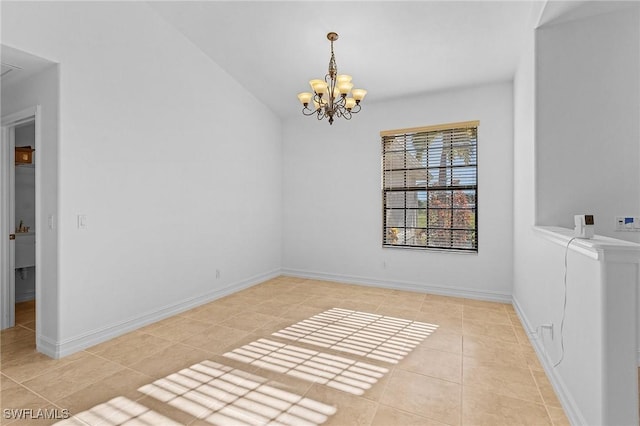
(432, 249)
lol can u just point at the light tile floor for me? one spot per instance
(477, 368)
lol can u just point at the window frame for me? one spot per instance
(425, 132)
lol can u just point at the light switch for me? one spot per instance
(82, 221)
(628, 223)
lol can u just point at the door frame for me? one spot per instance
(7, 213)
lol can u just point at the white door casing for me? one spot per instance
(7, 212)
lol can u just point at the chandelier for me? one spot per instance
(330, 96)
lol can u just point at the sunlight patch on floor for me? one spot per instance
(222, 395)
(379, 337)
(337, 372)
(118, 411)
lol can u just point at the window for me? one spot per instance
(429, 187)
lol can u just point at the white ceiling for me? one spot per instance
(391, 48)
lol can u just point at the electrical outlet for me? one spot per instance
(549, 327)
(217, 273)
(82, 221)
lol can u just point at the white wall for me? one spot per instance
(572, 78)
(588, 118)
(531, 280)
(176, 166)
(537, 284)
(332, 196)
(42, 89)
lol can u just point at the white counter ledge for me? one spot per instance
(596, 248)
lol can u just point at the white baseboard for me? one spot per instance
(47, 347)
(69, 346)
(574, 414)
(468, 293)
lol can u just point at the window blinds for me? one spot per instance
(429, 187)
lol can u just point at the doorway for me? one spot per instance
(30, 93)
(24, 224)
(20, 142)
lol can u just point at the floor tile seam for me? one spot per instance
(45, 371)
(375, 412)
(155, 351)
(120, 364)
(10, 378)
(33, 391)
(471, 321)
(429, 376)
(210, 323)
(426, 376)
(462, 408)
(500, 364)
(404, 411)
(123, 367)
(544, 401)
(172, 340)
(131, 334)
(501, 309)
(420, 347)
(490, 322)
(490, 358)
(31, 329)
(183, 319)
(546, 410)
(310, 389)
(195, 418)
(515, 341)
(349, 336)
(202, 349)
(21, 340)
(331, 351)
(485, 390)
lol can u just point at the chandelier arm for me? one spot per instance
(321, 113)
(308, 111)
